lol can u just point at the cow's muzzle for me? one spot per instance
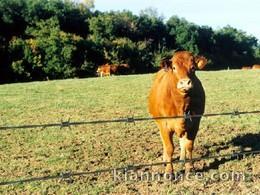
(184, 85)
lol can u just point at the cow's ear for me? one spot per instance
(166, 63)
(201, 62)
(169, 63)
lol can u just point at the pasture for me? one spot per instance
(38, 152)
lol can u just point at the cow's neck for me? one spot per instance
(182, 103)
(180, 100)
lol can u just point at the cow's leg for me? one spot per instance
(189, 148)
(189, 143)
(183, 150)
(186, 146)
(168, 148)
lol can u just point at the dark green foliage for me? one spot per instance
(48, 53)
(184, 34)
(12, 17)
(56, 39)
(124, 51)
(233, 48)
(87, 56)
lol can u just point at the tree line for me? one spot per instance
(58, 39)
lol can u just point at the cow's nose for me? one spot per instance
(185, 84)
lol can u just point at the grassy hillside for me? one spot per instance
(39, 152)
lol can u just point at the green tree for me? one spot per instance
(87, 57)
(42, 39)
(183, 34)
(89, 4)
(150, 27)
(206, 40)
(233, 48)
(47, 54)
(102, 27)
(24, 63)
(257, 53)
(72, 17)
(12, 18)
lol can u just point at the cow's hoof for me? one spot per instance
(189, 169)
(169, 168)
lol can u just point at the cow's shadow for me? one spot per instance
(245, 142)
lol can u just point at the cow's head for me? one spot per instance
(98, 70)
(184, 65)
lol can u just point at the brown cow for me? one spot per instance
(177, 92)
(246, 67)
(104, 70)
(122, 69)
(256, 66)
(107, 70)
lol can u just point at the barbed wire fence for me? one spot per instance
(69, 175)
(69, 124)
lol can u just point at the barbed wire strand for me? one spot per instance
(69, 175)
(63, 124)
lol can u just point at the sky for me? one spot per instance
(241, 14)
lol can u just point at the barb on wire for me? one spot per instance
(130, 120)
(69, 175)
(66, 175)
(235, 113)
(68, 124)
(65, 124)
(188, 116)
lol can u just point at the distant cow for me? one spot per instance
(122, 69)
(246, 67)
(104, 70)
(256, 66)
(107, 70)
(176, 91)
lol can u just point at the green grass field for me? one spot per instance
(39, 152)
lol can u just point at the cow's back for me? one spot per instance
(246, 68)
(256, 66)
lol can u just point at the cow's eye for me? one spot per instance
(173, 68)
